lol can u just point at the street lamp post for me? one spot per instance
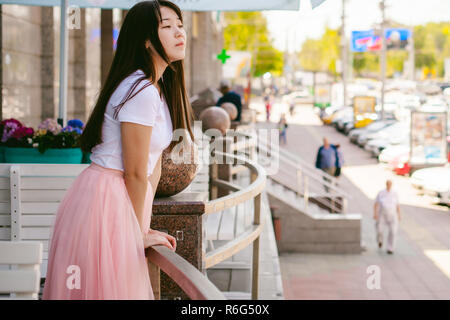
(344, 55)
(383, 56)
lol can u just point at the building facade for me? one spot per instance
(29, 60)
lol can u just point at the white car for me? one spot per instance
(434, 181)
(392, 152)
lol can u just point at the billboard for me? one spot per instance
(397, 38)
(363, 105)
(428, 137)
(368, 40)
(363, 41)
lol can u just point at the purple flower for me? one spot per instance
(12, 120)
(9, 129)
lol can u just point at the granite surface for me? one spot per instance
(184, 203)
(187, 229)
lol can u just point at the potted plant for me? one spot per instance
(7, 128)
(49, 144)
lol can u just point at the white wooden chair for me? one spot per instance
(22, 280)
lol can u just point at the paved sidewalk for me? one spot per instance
(420, 266)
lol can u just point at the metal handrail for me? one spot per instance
(194, 283)
(288, 156)
(239, 196)
(310, 174)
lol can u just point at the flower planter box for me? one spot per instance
(86, 158)
(2, 154)
(32, 155)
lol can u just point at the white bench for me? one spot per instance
(30, 195)
(22, 277)
(29, 198)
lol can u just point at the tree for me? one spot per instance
(320, 55)
(247, 31)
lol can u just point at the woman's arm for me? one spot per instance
(135, 152)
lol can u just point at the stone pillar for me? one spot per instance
(106, 42)
(181, 216)
(124, 14)
(187, 22)
(47, 64)
(76, 104)
(93, 72)
(206, 42)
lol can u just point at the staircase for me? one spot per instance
(310, 204)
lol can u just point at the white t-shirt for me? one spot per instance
(146, 108)
(388, 201)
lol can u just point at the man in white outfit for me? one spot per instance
(387, 212)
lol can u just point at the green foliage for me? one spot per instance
(431, 42)
(247, 31)
(62, 140)
(321, 54)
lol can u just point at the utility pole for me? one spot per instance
(412, 54)
(344, 55)
(383, 55)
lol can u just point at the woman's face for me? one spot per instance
(172, 35)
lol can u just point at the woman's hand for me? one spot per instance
(155, 237)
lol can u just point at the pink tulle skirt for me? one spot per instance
(96, 249)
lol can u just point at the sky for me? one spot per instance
(285, 26)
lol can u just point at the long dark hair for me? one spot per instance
(141, 24)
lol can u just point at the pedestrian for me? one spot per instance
(102, 225)
(291, 108)
(282, 127)
(327, 161)
(230, 96)
(268, 107)
(387, 213)
(340, 161)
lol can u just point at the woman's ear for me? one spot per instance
(147, 44)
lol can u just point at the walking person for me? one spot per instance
(339, 162)
(268, 107)
(327, 160)
(282, 127)
(387, 213)
(102, 225)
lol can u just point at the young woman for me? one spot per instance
(103, 223)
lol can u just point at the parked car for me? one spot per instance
(342, 113)
(395, 132)
(376, 146)
(349, 126)
(434, 181)
(373, 127)
(391, 152)
(332, 114)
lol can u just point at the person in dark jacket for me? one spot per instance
(230, 96)
(327, 160)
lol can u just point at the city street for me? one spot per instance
(420, 266)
